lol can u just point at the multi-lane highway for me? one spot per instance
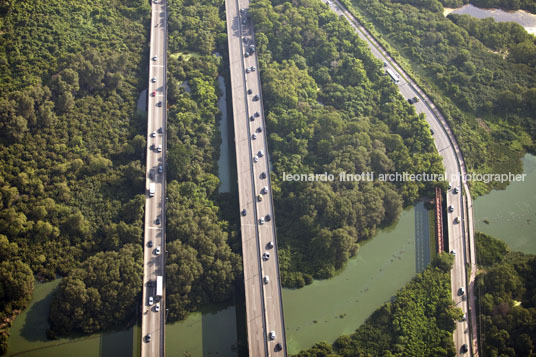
(459, 220)
(153, 305)
(265, 326)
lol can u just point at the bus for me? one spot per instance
(393, 75)
(159, 286)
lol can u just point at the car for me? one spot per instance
(270, 245)
(253, 68)
(160, 169)
(267, 218)
(453, 252)
(244, 21)
(153, 134)
(451, 208)
(252, 48)
(432, 131)
(264, 190)
(266, 279)
(455, 190)
(263, 175)
(148, 338)
(384, 64)
(159, 149)
(464, 317)
(450, 185)
(252, 118)
(259, 130)
(151, 174)
(159, 104)
(256, 115)
(155, 58)
(261, 220)
(152, 147)
(150, 244)
(153, 79)
(242, 10)
(153, 93)
(245, 40)
(278, 347)
(265, 256)
(254, 136)
(151, 283)
(246, 54)
(157, 251)
(260, 153)
(256, 158)
(157, 221)
(255, 98)
(244, 212)
(259, 198)
(461, 291)
(464, 348)
(271, 335)
(413, 100)
(155, 1)
(157, 307)
(250, 91)
(457, 220)
(248, 70)
(151, 301)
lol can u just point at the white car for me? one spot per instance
(260, 153)
(451, 208)
(265, 256)
(153, 79)
(157, 250)
(151, 301)
(153, 134)
(457, 220)
(155, 58)
(270, 245)
(272, 335)
(261, 220)
(266, 279)
(254, 136)
(264, 190)
(453, 252)
(159, 149)
(157, 307)
(256, 158)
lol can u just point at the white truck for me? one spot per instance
(152, 187)
(159, 286)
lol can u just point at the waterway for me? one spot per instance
(510, 214)
(524, 18)
(329, 308)
(28, 334)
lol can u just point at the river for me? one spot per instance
(524, 18)
(510, 214)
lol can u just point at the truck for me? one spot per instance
(152, 187)
(159, 286)
(393, 75)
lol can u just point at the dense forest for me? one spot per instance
(513, 5)
(329, 108)
(506, 288)
(201, 267)
(419, 321)
(480, 74)
(71, 154)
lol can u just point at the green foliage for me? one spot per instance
(528, 5)
(71, 163)
(418, 322)
(100, 294)
(480, 74)
(330, 109)
(489, 251)
(506, 299)
(200, 266)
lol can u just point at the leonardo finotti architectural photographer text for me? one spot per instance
(400, 177)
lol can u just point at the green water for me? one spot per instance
(510, 214)
(329, 308)
(204, 333)
(28, 338)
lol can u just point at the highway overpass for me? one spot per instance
(264, 310)
(154, 245)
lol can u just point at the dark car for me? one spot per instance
(157, 220)
(263, 175)
(256, 98)
(256, 115)
(159, 104)
(413, 100)
(259, 130)
(148, 338)
(160, 169)
(250, 91)
(268, 218)
(153, 93)
(244, 212)
(278, 347)
(151, 174)
(150, 244)
(464, 348)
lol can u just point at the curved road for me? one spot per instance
(460, 234)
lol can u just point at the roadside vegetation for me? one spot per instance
(506, 288)
(329, 108)
(71, 156)
(419, 321)
(201, 267)
(480, 73)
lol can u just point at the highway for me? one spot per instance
(264, 311)
(460, 230)
(154, 248)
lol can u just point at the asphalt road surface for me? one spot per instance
(263, 297)
(153, 262)
(448, 148)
